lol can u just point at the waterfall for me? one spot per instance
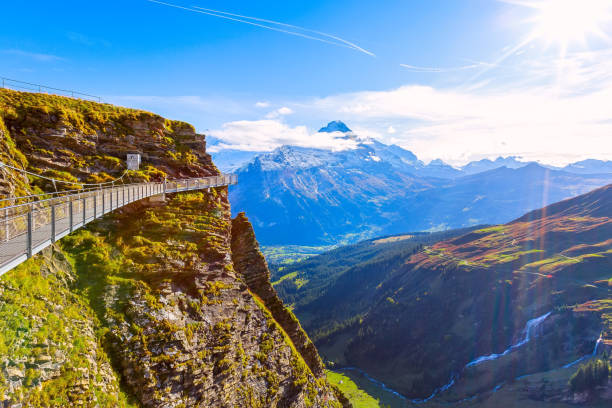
(530, 327)
(526, 335)
(593, 354)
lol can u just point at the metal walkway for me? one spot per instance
(26, 229)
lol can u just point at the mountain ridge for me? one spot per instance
(238, 158)
(374, 189)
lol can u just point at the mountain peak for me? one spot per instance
(335, 126)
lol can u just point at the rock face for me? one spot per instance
(251, 264)
(150, 296)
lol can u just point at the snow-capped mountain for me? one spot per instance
(511, 162)
(299, 195)
(590, 166)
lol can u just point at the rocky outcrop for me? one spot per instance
(251, 264)
(84, 141)
(151, 297)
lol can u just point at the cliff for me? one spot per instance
(251, 264)
(153, 304)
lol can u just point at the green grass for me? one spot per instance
(358, 397)
(285, 277)
(509, 255)
(488, 230)
(300, 282)
(289, 254)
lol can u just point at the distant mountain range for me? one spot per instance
(468, 314)
(308, 196)
(231, 159)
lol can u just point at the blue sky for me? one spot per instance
(448, 78)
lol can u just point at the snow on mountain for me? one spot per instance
(511, 162)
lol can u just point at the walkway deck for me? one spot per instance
(26, 229)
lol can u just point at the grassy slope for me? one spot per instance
(44, 312)
(358, 397)
(76, 140)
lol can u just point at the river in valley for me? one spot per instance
(393, 399)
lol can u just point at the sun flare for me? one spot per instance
(564, 22)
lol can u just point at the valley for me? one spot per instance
(306, 204)
(523, 305)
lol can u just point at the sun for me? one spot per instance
(565, 22)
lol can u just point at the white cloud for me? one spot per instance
(557, 122)
(284, 111)
(555, 111)
(266, 135)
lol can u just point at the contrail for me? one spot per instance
(504, 56)
(227, 16)
(451, 69)
(350, 44)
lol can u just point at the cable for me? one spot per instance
(41, 87)
(2, 165)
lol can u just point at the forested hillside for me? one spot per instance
(337, 288)
(471, 315)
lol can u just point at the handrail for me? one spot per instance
(43, 87)
(54, 180)
(27, 228)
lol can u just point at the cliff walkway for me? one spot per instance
(30, 224)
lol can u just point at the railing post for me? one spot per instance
(95, 205)
(103, 209)
(84, 210)
(71, 216)
(6, 225)
(33, 220)
(53, 223)
(29, 243)
(123, 195)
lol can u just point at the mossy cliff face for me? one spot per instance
(251, 264)
(145, 307)
(76, 140)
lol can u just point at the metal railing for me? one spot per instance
(28, 86)
(26, 229)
